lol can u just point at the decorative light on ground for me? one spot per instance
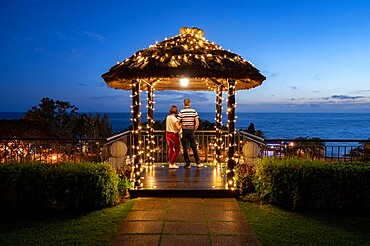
(184, 82)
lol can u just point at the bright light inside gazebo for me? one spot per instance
(184, 82)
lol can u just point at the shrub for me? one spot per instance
(58, 186)
(244, 173)
(298, 184)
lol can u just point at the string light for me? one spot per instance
(150, 139)
(231, 105)
(193, 50)
(136, 127)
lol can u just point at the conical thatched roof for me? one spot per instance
(189, 55)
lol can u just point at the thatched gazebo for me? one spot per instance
(200, 65)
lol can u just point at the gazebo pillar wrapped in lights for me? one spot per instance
(160, 67)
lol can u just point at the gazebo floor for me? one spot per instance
(160, 181)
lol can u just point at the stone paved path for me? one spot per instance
(185, 221)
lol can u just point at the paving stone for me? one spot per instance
(189, 222)
(150, 204)
(176, 215)
(249, 240)
(185, 240)
(128, 227)
(216, 215)
(220, 199)
(221, 205)
(185, 227)
(136, 240)
(228, 228)
(147, 215)
(198, 205)
(185, 199)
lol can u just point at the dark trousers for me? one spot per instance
(188, 138)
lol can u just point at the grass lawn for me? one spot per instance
(90, 228)
(274, 226)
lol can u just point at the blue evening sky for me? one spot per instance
(315, 54)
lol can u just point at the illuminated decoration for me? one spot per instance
(186, 54)
(218, 126)
(150, 140)
(231, 105)
(136, 132)
(184, 82)
(208, 68)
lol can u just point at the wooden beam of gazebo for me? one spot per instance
(186, 55)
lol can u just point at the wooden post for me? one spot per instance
(136, 136)
(218, 155)
(231, 133)
(150, 118)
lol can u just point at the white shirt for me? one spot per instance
(170, 123)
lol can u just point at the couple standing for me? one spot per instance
(186, 120)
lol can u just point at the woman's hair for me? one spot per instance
(173, 109)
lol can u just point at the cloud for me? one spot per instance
(73, 36)
(362, 91)
(106, 97)
(199, 100)
(101, 84)
(62, 36)
(293, 88)
(274, 74)
(299, 107)
(75, 55)
(345, 97)
(317, 77)
(297, 99)
(93, 35)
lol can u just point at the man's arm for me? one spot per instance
(178, 125)
(196, 124)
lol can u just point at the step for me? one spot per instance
(205, 193)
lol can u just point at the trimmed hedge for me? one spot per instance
(59, 186)
(298, 184)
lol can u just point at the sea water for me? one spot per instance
(274, 125)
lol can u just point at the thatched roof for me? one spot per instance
(189, 55)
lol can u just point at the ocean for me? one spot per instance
(274, 125)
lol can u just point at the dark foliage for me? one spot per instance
(62, 186)
(304, 184)
(56, 119)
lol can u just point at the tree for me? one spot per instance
(54, 116)
(253, 131)
(59, 119)
(307, 147)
